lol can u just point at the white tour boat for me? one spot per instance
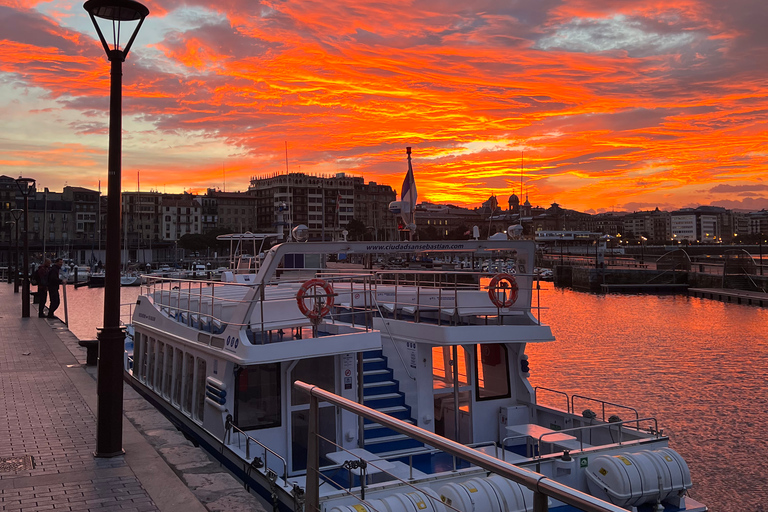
(438, 356)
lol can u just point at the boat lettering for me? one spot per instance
(148, 317)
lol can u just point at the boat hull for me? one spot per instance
(255, 481)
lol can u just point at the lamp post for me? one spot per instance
(16, 212)
(11, 252)
(26, 186)
(109, 416)
(642, 249)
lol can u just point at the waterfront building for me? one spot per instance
(653, 225)
(181, 216)
(141, 223)
(758, 223)
(439, 221)
(8, 192)
(325, 204)
(236, 211)
(700, 224)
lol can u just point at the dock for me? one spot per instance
(657, 289)
(730, 295)
(48, 435)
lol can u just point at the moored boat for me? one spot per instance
(441, 350)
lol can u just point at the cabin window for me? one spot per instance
(151, 364)
(160, 366)
(189, 381)
(452, 417)
(442, 376)
(178, 362)
(258, 397)
(144, 357)
(492, 372)
(138, 359)
(168, 371)
(318, 371)
(200, 389)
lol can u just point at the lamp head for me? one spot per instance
(16, 212)
(117, 12)
(26, 185)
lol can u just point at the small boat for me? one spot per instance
(96, 280)
(437, 357)
(130, 279)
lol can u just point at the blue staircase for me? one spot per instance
(382, 392)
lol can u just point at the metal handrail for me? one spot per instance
(601, 425)
(603, 403)
(541, 485)
(231, 426)
(567, 398)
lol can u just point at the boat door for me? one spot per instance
(319, 371)
(452, 392)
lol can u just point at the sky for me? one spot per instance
(598, 105)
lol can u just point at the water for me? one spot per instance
(696, 365)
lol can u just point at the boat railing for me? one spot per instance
(541, 485)
(412, 295)
(243, 437)
(126, 313)
(555, 391)
(631, 424)
(602, 403)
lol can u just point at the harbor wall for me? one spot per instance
(591, 279)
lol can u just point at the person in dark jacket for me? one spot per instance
(53, 286)
(42, 285)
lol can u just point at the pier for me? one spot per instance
(735, 296)
(48, 435)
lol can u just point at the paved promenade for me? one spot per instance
(48, 434)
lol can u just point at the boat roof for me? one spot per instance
(248, 236)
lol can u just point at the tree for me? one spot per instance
(357, 230)
(193, 242)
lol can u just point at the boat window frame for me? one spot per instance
(504, 362)
(188, 383)
(168, 372)
(157, 383)
(178, 377)
(198, 401)
(278, 387)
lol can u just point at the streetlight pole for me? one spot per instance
(17, 213)
(26, 186)
(11, 252)
(109, 416)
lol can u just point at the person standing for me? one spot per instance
(54, 280)
(42, 285)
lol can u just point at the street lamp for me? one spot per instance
(109, 416)
(16, 212)
(26, 186)
(642, 249)
(11, 224)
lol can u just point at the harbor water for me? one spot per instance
(696, 365)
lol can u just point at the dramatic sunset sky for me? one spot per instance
(616, 104)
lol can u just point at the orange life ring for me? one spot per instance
(318, 307)
(503, 290)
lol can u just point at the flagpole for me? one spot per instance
(412, 215)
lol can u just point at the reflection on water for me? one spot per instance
(85, 308)
(696, 365)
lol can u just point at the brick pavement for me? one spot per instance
(48, 430)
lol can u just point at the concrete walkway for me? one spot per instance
(48, 435)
